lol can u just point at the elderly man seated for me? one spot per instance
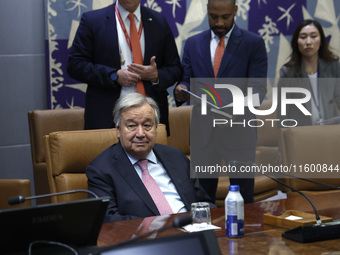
(142, 178)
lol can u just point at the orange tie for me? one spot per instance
(218, 55)
(136, 50)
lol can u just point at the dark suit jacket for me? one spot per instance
(112, 174)
(95, 54)
(245, 57)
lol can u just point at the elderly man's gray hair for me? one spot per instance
(133, 100)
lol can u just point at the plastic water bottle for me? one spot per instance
(234, 212)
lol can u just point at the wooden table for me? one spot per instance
(259, 238)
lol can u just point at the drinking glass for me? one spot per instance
(200, 213)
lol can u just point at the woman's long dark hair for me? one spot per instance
(324, 51)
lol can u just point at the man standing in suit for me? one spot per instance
(121, 49)
(224, 51)
(142, 178)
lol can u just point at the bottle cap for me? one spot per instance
(234, 188)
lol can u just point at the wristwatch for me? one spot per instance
(114, 76)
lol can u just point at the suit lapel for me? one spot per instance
(128, 172)
(303, 82)
(169, 164)
(326, 91)
(233, 43)
(205, 50)
(111, 34)
(148, 33)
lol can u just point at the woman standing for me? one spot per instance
(312, 66)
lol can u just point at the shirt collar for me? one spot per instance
(124, 13)
(226, 36)
(151, 157)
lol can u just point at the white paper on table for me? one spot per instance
(199, 227)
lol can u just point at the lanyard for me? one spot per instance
(140, 30)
